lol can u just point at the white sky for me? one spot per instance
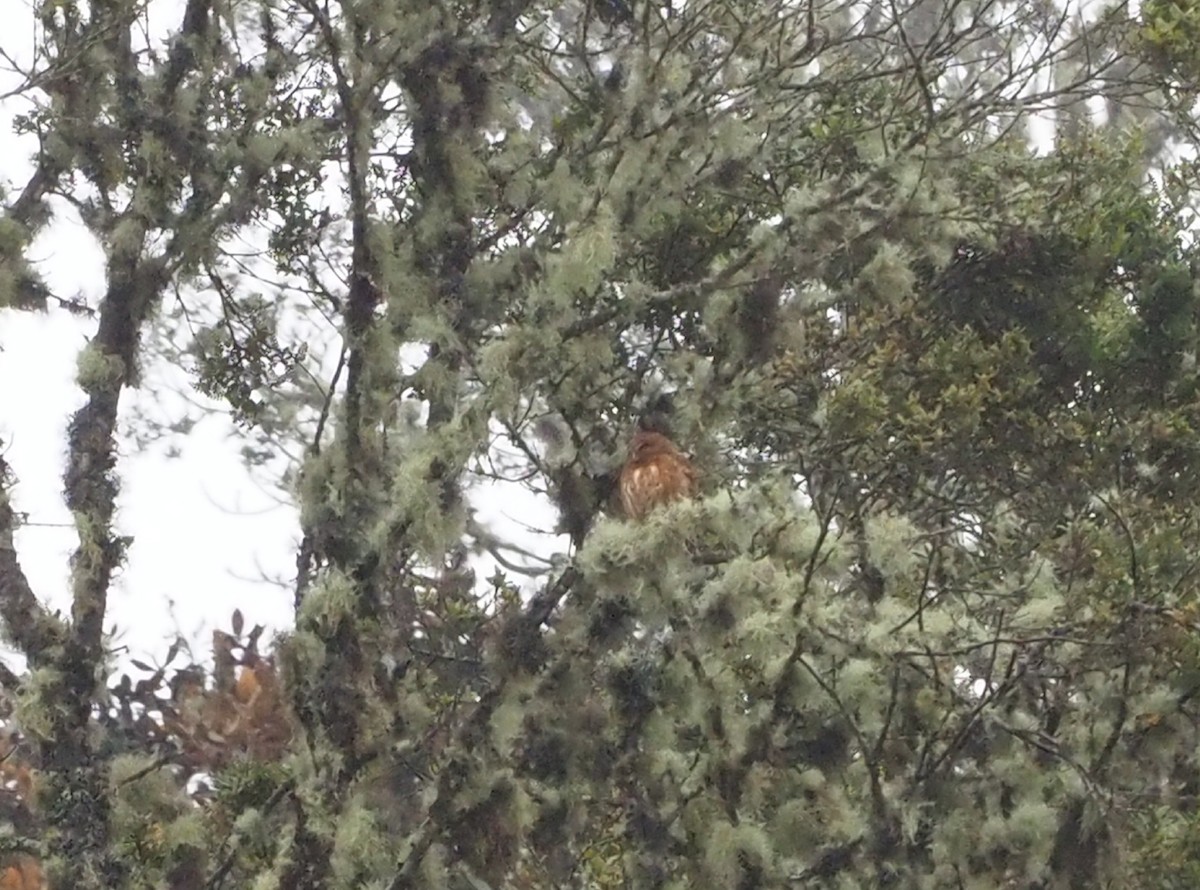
(203, 529)
(205, 532)
(198, 522)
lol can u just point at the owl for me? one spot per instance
(655, 473)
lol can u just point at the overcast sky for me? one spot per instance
(203, 529)
(205, 532)
(198, 522)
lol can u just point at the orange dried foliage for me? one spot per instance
(22, 873)
(243, 716)
(16, 775)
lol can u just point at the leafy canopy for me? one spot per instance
(894, 273)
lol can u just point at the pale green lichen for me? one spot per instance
(97, 369)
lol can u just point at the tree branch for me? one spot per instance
(26, 621)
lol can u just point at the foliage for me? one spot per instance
(931, 622)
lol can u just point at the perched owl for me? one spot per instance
(655, 473)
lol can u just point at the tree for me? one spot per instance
(932, 621)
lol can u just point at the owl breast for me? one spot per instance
(658, 480)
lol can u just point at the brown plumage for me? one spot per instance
(655, 473)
